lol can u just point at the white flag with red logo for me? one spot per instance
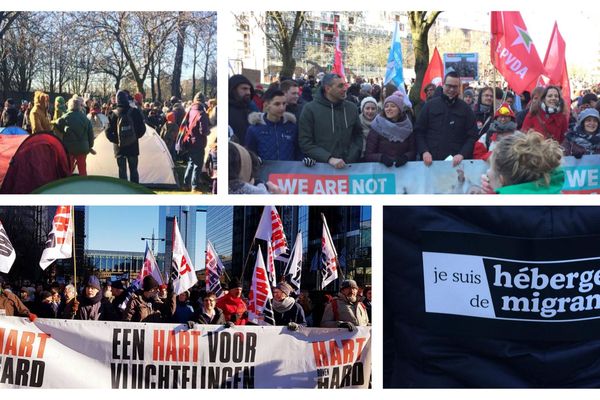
(184, 275)
(329, 261)
(150, 267)
(7, 251)
(214, 270)
(260, 309)
(60, 239)
(270, 229)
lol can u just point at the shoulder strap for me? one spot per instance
(334, 308)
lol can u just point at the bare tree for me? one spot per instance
(6, 20)
(420, 24)
(182, 24)
(140, 36)
(281, 28)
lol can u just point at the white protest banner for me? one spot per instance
(581, 176)
(53, 353)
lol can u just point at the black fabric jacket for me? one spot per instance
(444, 128)
(416, 355)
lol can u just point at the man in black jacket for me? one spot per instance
(446, 126)
(240, 105)
(125, 127)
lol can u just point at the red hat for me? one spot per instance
(259, 87)
(138, 97)
(171, 117)
(505, 111)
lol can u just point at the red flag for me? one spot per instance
(434, 73)
(512, 51)
(556, 65)
(338, 64)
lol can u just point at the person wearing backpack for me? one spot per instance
(125, 127)
(194, 142)
(345, 310)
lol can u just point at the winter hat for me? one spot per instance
(366, 87)
(284, 287)
(469, 93)
(588, 112)
(349, 283)
(235, 283)
(92, 281)
(171, 117)
(397, 98)
(245, 171)
(117, 285)
(366, 100)
(497, 127)
(505, 111)
(149, 283)
(44, 295)
(138, 97)
(122, 98)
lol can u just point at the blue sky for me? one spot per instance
(120, 228)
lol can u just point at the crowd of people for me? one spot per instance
(148, 301)
(326, 120)
(123, 119)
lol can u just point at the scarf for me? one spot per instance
(550, 110)
(284, 305)
(365, 124)
(583, 139)
(392, 131)
(484, 108)
(87, 301)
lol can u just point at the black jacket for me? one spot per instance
(417, 355)
(239, 110)
(138, 125)
(444, 128)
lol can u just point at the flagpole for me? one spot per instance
(74, 252)
(247, 258)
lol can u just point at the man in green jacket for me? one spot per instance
(78, 135)
(329, 128)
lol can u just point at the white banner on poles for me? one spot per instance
(53, 353)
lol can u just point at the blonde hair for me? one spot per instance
(526, 157)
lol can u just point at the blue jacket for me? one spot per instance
(273, 141)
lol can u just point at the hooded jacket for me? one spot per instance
(138, 126)
(273, 140)
(446, 128)
(39, 113)
(238, 109)
(330, 130)
(77, 132)
(418, 355)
